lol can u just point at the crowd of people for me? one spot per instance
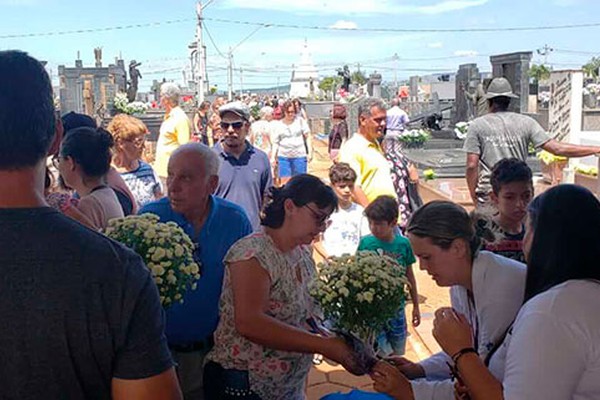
(83, 316)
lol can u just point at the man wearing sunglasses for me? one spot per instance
(245, 173)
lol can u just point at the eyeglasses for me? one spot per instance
(320, 219)
(137, 141)
(234, 125)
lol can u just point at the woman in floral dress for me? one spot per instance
(263, 343)
(403, 174)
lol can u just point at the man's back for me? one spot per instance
(77, 308)
(501, 135)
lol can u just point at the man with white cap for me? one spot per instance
(502, 134)
(245, 173)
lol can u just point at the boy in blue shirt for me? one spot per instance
(385, 238)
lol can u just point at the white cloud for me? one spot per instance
(354, 6)
(435, 45)
(341, 24)
(465, 53)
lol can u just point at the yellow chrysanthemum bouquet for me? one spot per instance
(166, 250)
(360, 293)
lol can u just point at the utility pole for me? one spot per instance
(230, 74)
(545, 51)
(200, 55)
(241, 81)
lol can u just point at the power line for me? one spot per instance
(94, 30)
(407, 30)
(212, 41)
(305, 27)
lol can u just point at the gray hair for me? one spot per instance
(266, 110)
(171, 91)
(364, 110)
(211, 159)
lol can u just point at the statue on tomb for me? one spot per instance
(88, 98)
(134, 77)
(311, 85)
(98, 55)
(345, 74)
(477, 100)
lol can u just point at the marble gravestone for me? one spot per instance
(515, 68)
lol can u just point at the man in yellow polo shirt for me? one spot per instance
(174, 131)
(365, 156)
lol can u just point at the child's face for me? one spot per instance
(382, 230)
(512, 200)
(344, 190)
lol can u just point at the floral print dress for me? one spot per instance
(273, 374)
(392, 149)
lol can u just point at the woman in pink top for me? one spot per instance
(83, 163)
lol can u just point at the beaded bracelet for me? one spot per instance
(461, 353)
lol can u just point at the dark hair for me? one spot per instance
(90, 148)
(205, 105)
(74, 120)
(443, 222)
(286, 105)
(566, 225)
(27, 119)
(341, 172)
(510, 170)
(301, 189)
(383, 208)
(501, 103)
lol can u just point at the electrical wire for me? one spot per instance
(408, 30)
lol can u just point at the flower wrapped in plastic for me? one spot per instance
(166, 250)
(460, 130)
(360, 293)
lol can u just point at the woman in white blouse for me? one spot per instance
(486, 287)
(292, 144)
(552, 352)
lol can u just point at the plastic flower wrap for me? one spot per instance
(360, 293)
(415, 138)
(460, 130)
(166, 250)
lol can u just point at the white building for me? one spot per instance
(305, 77)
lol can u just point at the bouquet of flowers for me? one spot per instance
(122, 104)
(360, 293)
(460, 130)
(414, 138)
(166, 250)
(429, 174)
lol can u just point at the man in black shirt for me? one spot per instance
(80, 314)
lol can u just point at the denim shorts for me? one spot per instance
(392, 341)
(289, 167)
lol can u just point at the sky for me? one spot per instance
(266, 58)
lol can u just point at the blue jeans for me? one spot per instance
(392, 341)
(289, 167)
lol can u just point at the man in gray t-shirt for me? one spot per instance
(503, 134)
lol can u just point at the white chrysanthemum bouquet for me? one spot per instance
(360, 293)
(166, 250)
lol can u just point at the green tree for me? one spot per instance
(329, 83)
(539, 73)
(358, 77)
(591, 68)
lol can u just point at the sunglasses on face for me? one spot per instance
(234, 125)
